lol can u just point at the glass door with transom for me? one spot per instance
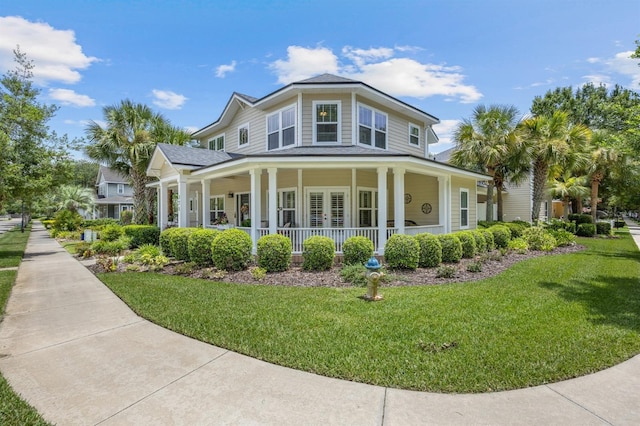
(328, 208)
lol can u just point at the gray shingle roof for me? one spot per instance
(113, 176)
(445, 155)
(326, 79)
(302, 151)
(199, 157)
(117, 199)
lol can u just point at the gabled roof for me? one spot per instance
(445, 155)
(111, 176)
(189, 156)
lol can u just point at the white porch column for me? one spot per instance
(183, 208)
(444, 202)
(255, 206)
(273, 200)
(398, 198)
(163, 205)
(382, 209)
(206, 194)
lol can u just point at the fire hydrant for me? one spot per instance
(373, 277)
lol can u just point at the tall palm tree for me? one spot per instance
(604, 160)
(567, 187)
(126, 143)
(488, 142)
(552, 141)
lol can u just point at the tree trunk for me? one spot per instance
(489, 213)
(595, 182)
(499, 183)
(565, 206)
(138, 182)
(540, 176)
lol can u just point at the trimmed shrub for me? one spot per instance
(580, 218)
(603, 228)
(617, 224)
(165, 240)
(180, 243)
(481, 241)
(318, 253)
(274, 252)
(501, 235)
(110, 248)
(126, 217)
(586, 230)
(488, 238)
(96, 224)
(570, 227)
(468, 244)
(517, 228)
(66, 220)
(231, 250)
(519, 245)
(199, 246)
(402, 252)
(142, 234)
(563, 237)
(539, 239)
(111, 233)
(451, 248)
(430, 250)
(357, 250)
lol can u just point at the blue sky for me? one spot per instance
(186, 58)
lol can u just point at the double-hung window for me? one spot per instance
(464, 208)
(281, 128)
(216, 207)
(217, 143)
(367, 208)
(121, 188)
(326, 122)
(414, 135)
(372, 127)
(243, 135)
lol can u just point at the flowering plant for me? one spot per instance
(222, 219)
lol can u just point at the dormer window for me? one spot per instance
(326, 122)
(217, 143)
(372, 127)
(281, 128)
(414, 135)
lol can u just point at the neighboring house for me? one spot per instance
(517, 199)
(323, 156)
(113, 194)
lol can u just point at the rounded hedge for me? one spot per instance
(451, 248)
(539, 239)
(357, 250)
(468, 242)
(274, 252)
(603, 228)
(586, 230)
(517, 228)
(481, 241)
(111, 233)
(231, 250)
(142, 234)
(430, 250)
(318, 253)
(501, 235)
(488, 238)
(180, 243)
(199, 246)
(165, 241)
(402, 252)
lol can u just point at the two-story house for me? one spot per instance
(113, 194)
(323, 156)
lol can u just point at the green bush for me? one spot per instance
(111, 233)
(142, 234)
(199, 246)
(603, 228)
(580, 218)
(110, 248)
(231, 250)
(517, 228)
(446, 271)
(83, 249)
(430, 250)
(451, 248)
(519, 245)
(355, 274)
(126, 217)
(563, 237)
(402, 252)
(274, 252)
(539, 239)
(501, 235)
(357, 250)
(468, 241)
(481, 241)
(96, 224)
(586, 230)
(488, 238)
(66, 220)
(165, 240)
(180, 243)
(619, 224)
(318, 253)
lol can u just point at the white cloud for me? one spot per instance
(444, 130)
(192, 129)
(378, 67)
(222, 70)
(621, 64)
(593, 60)
(55, 53)
(597, 79)
(168, 99)
(69, 97)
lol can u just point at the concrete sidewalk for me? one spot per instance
(80, 356)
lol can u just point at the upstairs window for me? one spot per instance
(372, 127)
(281, 128)
(414, 135)
(120, 188)
(326, 122)
(217, 143)
(243, 135)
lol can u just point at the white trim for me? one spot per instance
(215, 138)
(374, 205)
(280, 129)
(411, 135)
(314, 123)
(327, 190)
(374, 111)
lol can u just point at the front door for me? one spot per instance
(328, 208)
(242, 210)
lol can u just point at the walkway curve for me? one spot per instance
(80, 356)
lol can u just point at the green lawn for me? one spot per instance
(543, 320)
(13, 409)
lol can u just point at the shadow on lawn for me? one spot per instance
(609, 300)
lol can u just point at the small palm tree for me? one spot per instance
(74, 198)
(566, 187)
(604, 159)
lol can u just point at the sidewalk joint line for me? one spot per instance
(579, 405)
(384, 406)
